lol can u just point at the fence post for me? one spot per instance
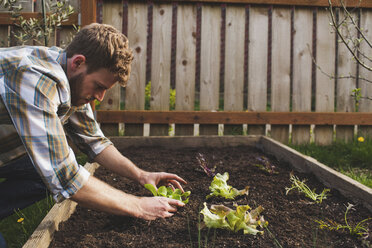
(302, 68)
(325, 58)
(111, 101)
(366, 87)
(185, 64)
(210, 64)
(135, 90)
(280, 79)
(161, 64)
(257, 68)
(345, 103)
(234, 69)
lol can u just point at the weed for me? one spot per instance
(360, 229)
(302, 187)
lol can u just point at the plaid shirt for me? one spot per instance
(36, 115)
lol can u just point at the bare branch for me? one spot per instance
(338, 31)
(337, 77)
(355, 24)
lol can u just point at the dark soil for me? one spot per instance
(291, 217)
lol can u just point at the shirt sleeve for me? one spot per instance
(31, 97)
(85, 132)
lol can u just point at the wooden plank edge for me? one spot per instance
(305, 3)
(233, 117)
(347, 186)
(60, 212)
(179, 142)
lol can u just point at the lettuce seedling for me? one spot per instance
(169, 193)
(220, 216)
(219, 187)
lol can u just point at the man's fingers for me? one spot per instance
(173, 177)
(177, 203)
(167, 215)
(177, 184)
(179, 179)
(172, 209)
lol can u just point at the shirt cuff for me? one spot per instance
(76, 183)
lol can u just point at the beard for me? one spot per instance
(76, 88)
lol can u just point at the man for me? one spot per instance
(44, 96)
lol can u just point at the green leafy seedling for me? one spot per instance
(220, 216)
(219, 187)
(169, 193)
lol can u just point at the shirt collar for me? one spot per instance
(62, 60)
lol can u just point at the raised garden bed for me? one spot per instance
(291, 217)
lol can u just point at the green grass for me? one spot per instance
(352, 159)
(17, 233)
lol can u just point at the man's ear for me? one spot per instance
(77, 61)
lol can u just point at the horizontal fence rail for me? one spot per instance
(205, 117)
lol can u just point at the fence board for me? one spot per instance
(325, 57)
(135, 90)
(345, 102)
(366, 87)
(161, 63)
(210, 64)
(257, 64)
(280, 79)
(302, 63)
(111, 101)
(234, 69)
(185, 63)
(4, 34)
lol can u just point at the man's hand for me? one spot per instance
(162, 178)
(98, 195)
(158, 207)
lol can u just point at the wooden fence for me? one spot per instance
(236, 56)
(237, 67)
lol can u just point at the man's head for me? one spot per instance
(98, 51)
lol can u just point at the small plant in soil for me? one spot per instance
(204, 165)
(219, 187)
(169, 193)
(220, 216)
(265, 165)
(360, 229)
(303, 188)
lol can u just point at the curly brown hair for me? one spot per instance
(103, 47)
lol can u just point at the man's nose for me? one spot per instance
(99, 95)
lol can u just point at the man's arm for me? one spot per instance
(98, 195)
(113, 160)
